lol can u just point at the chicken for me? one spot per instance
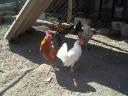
(61, 31)
(58, 40)
(47, 49)
(77, 28)
(69, 58)
(87, 34)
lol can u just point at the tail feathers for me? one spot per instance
(62, 52)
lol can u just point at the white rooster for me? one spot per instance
(69, 58)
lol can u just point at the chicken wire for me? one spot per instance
(86, 9)
(58, 9)
(10, 7)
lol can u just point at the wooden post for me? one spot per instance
(100, 9)
(125, 12)
(26, 17)
(113, 9)
(69, 11)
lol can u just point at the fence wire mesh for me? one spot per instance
(59, 8)
(10, 7)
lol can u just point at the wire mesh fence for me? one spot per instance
(10, 7)
(59, 9)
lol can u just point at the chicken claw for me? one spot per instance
(53, 69)
(72, 69)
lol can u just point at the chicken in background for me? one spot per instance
(61, 31)
(78, 28)
(69, 58)
(64, 30)
(87, 34)
(47, 49)
(57, 40)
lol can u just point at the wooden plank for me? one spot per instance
(26, 17)
(31, 19)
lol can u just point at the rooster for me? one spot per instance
(69, 58)
(47, 49)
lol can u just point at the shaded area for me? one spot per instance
(117, 37)
(100, 65)
(110, 45)
(105, 67)
(28, 45)
(65, 78)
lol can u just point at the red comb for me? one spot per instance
(49, 34)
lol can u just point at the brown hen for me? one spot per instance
(47, 49)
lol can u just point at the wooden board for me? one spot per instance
(26, 17)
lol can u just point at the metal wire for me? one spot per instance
(58, 9)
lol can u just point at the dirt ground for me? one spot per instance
(103, 69)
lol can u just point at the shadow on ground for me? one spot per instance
(115, 37)
(100, 65)
(28, 45)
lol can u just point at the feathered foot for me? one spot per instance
(56, 69)
(72, 69)
(53, 68)
(86, 46)
(76, 67)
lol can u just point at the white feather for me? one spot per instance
(62, 52)
(72, 56)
